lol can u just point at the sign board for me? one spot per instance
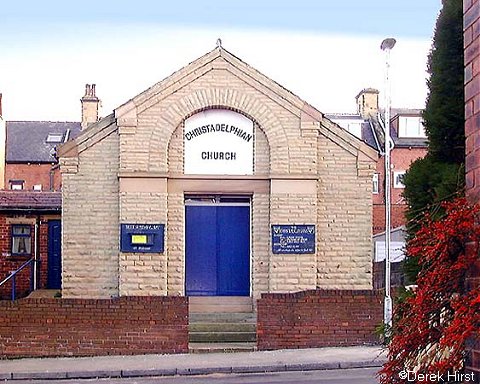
(293, 239)
(396, 251)
(142, 238)
(218, 142)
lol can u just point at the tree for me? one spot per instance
(440, 175)
(433, 324)
(444, 112)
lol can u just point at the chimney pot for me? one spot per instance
(90, 106)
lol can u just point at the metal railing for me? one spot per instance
(13, 275)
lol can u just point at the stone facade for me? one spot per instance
(128, 168)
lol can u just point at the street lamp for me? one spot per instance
(386, 46)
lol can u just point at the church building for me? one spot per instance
(216, 181)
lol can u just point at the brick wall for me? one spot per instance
(397, 217)
(319, 318)
(401, 160)
(33, 174)
(74, 327)
(472, 133)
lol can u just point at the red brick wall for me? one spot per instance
(401, 159)
(472, 133)
(80, 327)
(318, 318)
(32, 174)
(397, 217)
(9, 263)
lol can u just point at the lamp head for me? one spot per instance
(388, 43)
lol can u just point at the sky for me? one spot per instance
(324, 51)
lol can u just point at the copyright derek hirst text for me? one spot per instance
(417, 377)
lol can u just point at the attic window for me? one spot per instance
(411, 127)
(54, 138)
(16, 185)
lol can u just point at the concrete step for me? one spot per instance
(228, 317)
(221, 347)
(222, 327)
(222, 337)
(231, 317)
(223, 304)
(45, 294)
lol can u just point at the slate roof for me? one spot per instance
(27, 140)
(414, 142)
(30, 201)
(367, 129)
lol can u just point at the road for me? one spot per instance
(341, 376)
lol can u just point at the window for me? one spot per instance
(37, 187)
(21, 240)
(16, 185)
(411, 126)
(54, 138)
(376, 187)
(398, 179)
(355, 129)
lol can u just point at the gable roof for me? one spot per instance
(30, 201)
(27, 140)
(128, 111)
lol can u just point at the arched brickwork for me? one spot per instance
(175, 156)
(228, 99)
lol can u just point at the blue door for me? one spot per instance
(201, 251)
(217, 250)
(54, 274)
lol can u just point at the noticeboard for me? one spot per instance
(142, 238)
(293, 239)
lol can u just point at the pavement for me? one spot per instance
(192, 364)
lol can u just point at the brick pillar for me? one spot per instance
(471, 25)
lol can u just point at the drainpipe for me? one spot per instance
(52, 176)
(36, 253)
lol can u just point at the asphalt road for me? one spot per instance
(340, 376)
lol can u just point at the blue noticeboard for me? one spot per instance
(142, 238)
(293, 239)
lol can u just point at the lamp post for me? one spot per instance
(386, 46)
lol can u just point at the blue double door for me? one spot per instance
(217, 250)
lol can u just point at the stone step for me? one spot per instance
(45, 294)
(222, 327)
(232, 317)
(224, 304)
(221, 347)
(222, 337)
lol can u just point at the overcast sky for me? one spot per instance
(324, 51)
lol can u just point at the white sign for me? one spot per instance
(218, 142)
(396, 251)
